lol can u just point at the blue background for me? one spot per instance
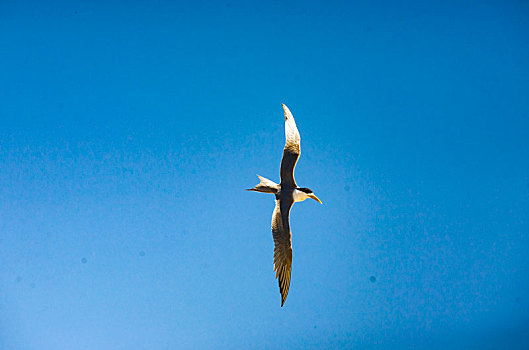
(128, 131)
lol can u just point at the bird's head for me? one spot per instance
(303, 193)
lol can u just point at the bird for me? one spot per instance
(286, 194)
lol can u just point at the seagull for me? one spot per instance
(286, 193)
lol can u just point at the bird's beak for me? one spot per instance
(315, 198)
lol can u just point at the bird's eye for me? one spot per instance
(304, 189)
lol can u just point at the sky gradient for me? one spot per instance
(129, 131)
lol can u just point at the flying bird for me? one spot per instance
(286, 193)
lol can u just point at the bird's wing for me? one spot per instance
(291, 151)
(283, 246)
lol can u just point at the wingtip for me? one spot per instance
(286, 110)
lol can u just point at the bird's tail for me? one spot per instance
(265, 186)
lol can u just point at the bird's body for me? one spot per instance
(286, 193)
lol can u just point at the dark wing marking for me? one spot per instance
(291, 152)
(283, 246)
(288, 163)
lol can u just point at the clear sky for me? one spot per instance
(128, 131)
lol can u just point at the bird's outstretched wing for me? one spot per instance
(291, 151)
(283, 246)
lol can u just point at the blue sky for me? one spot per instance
(129, 131)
